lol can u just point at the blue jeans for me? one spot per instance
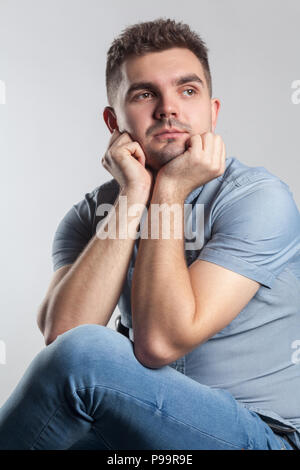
(87, 390)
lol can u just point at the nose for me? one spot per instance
(166, 107)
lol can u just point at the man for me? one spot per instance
(209, 359)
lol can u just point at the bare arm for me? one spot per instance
(89, 291)
(57, 277)
(176, 308)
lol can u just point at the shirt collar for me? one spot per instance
(195, 193)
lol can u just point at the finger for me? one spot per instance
(208, 139)
(223, 158)
(103, 162)
(218, 153)
(224, 151)
(114, 136)
(136, 152)
(194, 142)
(119, 137)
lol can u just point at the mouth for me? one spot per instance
(170, 135)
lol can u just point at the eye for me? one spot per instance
(137, 97)
(190, 89)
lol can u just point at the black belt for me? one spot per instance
(286, 436)
(121, 328)
(280, 430)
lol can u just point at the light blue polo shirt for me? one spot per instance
(252, 227)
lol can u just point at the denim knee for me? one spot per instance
(83, 347)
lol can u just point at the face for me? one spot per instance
(160, 91)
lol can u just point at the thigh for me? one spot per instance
(284, 442)
(135, 407)
(91, 441)
(87, 388)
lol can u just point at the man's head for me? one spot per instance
(158, 77)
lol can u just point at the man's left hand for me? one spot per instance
(203, 161)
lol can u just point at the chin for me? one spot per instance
(162, 156)
(167, 158)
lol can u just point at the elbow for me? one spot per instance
(149, 359)
(146, 360)
(49, 337)
(40, 320)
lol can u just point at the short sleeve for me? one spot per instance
(78, 225)
(256, 232)
(72, 234)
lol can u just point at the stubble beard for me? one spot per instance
(170, 150)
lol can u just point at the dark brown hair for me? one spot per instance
(151, 36)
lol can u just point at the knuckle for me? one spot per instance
(208, 136)
(108, 157)
(124, 137)
(221, 170)
(115, 152)
(215, 168)
(218, 138)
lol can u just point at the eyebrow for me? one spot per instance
(178, 81)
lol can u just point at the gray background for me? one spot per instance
(52, 134)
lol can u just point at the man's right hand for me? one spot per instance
(126, 161)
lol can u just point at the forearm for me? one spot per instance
(90, 291)
(163, 303)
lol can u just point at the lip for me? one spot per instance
(168, 129)
(169, 133)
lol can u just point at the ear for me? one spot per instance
(110, 118)
(215, 108)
